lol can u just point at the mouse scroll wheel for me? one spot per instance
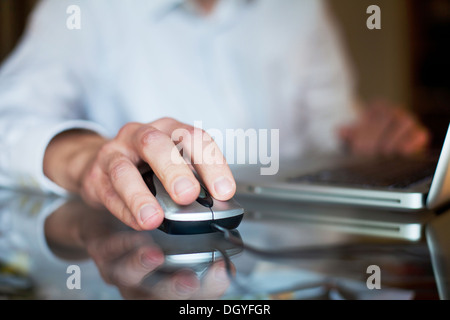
(204, 198)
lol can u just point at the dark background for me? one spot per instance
(407, 61)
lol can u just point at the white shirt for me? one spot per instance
(250, 64)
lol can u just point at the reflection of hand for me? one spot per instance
(125, 259)
(183, 284)
(385, 130)
(105, 171)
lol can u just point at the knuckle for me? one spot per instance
(169, 170)
(167, 121)
(195, 135)
(195, 131)
(106, 149)
(119, 167)
(137, 201)
(128, 129)
(149, 135)
(207, 138)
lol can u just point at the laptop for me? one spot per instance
(409, 184)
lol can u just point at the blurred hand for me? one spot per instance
(130, 261)
(105, 172)
(383, 129)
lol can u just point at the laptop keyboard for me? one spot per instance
(381, 173)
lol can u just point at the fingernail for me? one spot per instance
(151, 259)
(184, 286)
(147, 212)
(183, 185)
(223, 186)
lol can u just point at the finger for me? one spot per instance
(132, 268)
(214, 171)
(158, 150)
(131, 188)
(215, 282)
(112, 201)
(399, 133)
(180, 286)
(117, 245)
(418, 141)
(97, 187)
(89, 184)
(378, 122)
(106, 253)
(358, 134)
(204, 154)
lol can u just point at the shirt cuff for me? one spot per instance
(27, 159)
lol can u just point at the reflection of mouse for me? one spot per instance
(195, 251)
(196, 217)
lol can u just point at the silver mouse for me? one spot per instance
(195, 218)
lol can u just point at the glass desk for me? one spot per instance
(56, 248)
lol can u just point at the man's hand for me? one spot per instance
(105, 172)
(385, 130)
(130, 260)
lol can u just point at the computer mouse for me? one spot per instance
(198, 217)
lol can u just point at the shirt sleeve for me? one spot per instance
(41, 95)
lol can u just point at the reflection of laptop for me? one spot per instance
(340, 219)
(396, 183)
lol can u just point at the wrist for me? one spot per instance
(69, 155)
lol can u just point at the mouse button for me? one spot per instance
(148, 179)
(204, 198)
(227, 209)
